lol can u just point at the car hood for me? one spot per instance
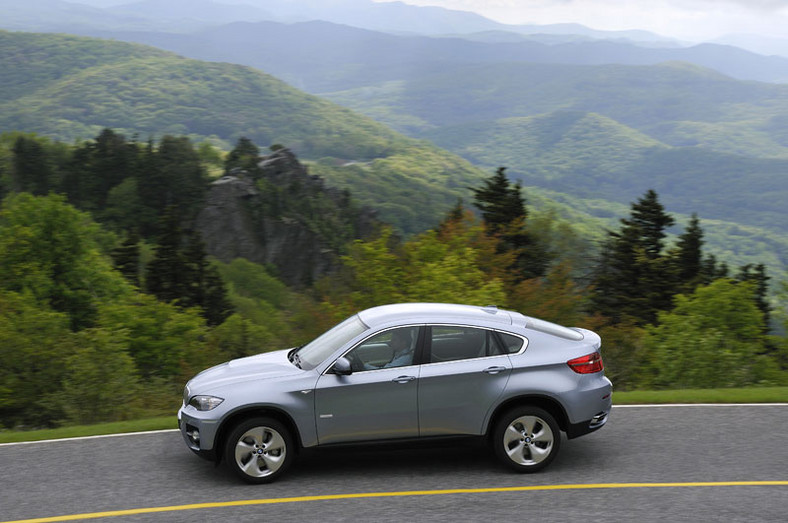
(261, 366)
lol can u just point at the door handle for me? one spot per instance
(404, 379)
(494, 370)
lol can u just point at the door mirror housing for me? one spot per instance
(342, 367)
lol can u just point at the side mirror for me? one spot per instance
(342, 367)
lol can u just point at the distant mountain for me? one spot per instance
(71, 87)
(61, 16)
(706, 142)
(675, 103)
(205, 11)
(323, 57)
(764, 45)
(590, 156)
(324, 53)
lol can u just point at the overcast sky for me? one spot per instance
(686, 19)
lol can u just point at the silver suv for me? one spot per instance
(406, 371)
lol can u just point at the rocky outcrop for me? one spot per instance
(273, 218)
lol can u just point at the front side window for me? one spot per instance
(449, 343)
(386, 350)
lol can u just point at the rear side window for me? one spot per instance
(448, 343)
(511, 344)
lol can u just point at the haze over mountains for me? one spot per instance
(571, 111)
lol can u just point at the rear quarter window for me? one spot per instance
(511, 344)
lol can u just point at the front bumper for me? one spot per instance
(198, 434)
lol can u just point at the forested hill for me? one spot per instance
(70, 88)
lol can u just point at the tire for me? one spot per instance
(259, 450)
(526, 439)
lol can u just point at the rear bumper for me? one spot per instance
(575, 430)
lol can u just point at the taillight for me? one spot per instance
(587, 364)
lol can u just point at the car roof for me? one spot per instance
(451, 313)
(434, 313)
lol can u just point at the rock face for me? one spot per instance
(273, 217)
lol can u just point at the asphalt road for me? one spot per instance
(653, 445)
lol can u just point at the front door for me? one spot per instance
(379, 399)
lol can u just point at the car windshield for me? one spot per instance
(317, 350)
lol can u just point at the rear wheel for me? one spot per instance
(526, 439)
(259, 450)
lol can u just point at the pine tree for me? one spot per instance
(32, 168)
(757, 275)
(454, 217)
(126, 257)
(97, 167)
(165, 275)
(634, 278)
(245, 156)
(169, 177)
(203, 287)
(499, 202)
(504, 213)
(182, 274)
(687, 258)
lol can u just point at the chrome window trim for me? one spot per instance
(459, 325)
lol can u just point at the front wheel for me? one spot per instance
(259, 450)
(526, 439)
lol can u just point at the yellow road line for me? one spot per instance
(329, 497)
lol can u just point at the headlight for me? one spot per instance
(205, 402)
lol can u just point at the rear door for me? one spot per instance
(465, 372)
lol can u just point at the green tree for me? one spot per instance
(712, 338)
(448, 269)
(371, 274)
(210, 155)
(238, 337)
(164, 341)
(53, 251)
(451, 266)
(556, 297)
(100, 382)
(97, 167)
(34, 347)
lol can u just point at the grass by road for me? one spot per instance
(748, 395)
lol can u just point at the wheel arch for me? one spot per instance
(551, 405)
(237, 417)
